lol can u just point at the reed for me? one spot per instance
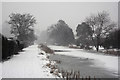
(74, 75)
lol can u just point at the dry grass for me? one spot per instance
(74, 75)
(80, 47)
(75, 47)
(45, 48)
(112, 52)
(62, 74)
(67, 75)
(87, 48)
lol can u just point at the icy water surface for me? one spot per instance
(84, 65)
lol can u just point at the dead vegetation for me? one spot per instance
(62, 74)
(45, 49)
(74, 75)
(105, 51)
(112, 52)
(75, 47)
(67, 75)
(53, 68)
(86, 47)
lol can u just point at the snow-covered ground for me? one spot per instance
(28, 64)
(104, 61)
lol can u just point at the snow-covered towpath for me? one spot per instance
(27, 64)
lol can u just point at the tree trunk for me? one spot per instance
(98, 43)
(97, 48)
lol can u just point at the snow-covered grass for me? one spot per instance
(104, 61)
(28, 64)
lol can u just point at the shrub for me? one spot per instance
(10, 47)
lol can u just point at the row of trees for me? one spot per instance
(97, 30)
(22, 29)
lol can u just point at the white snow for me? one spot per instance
(104, 61)
(27, 64)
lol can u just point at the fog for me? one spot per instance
(47, 13)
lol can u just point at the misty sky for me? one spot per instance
(48, 13)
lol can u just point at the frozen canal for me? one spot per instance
(89, 64)
(29, 64)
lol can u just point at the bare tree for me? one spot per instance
(101, 26)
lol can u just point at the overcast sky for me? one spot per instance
(48, 13)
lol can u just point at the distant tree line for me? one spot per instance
(97, 30)
(59, 34)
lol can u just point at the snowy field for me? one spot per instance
(110, 63)
(27, 64)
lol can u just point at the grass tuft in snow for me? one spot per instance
(45, 49)
(74, 75)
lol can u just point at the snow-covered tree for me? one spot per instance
(22, 25)
(60, 33)
(101, 26)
